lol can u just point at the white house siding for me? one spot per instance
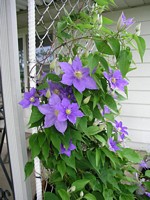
(136, 110)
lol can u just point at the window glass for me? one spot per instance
(21, 64)
(43, 51)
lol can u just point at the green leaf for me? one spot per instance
(36, 124)
(98, 81)
(53, 77)
(35, 115)
(53, 136)
(147, 173)
(110, 102)
(63, 194)
(103, 47)
(90, 196)
(41, 138)
(104, 63)
(78, 96)
(109, 116)
(124, 61)
(98, 157)
(107, 21)
(43, 86)
(115, 45)
(28, 169)
(97, 113)
(80, 184)
(141, 45)
(120, 97)
(102, 2)
(63, 34)
(131, 155)
(93, 61)
(46, 150)
(100, 139)
(92, 130)
(70, 161)
(96, 99)
(82, 123)
(34, 145)
(126, 196)
(147, 185)
(87, 111)
(55, 140)
(61, 168)
(108, 194)
(61, 26)
(50, 196)
(109, 128)
(92, 160)
(111, 156)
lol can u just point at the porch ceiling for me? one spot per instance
(121, 4)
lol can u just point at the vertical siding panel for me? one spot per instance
(135, 110)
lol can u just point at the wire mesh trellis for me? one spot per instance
(48, 13)
(47, 16)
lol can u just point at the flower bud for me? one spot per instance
(70, 61)
(52, 64)
(138, 29)
(102, 127)
(87, 99)
(48, 94)
(81, 194)
(124, 23)
(72, 189)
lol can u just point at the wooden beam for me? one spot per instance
(12, 95)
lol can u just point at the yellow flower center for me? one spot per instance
(68, 111)
(113, 80)
(32, 99)
(56, 112)
(78, 74)
(56, 91)
(119, 129)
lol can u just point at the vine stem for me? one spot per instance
(63, 44)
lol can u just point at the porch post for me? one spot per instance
(12, 95)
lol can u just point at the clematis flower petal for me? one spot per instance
(77, 75)
(25, 103)
(44, 109)
(61, 126)
(65, 151)
(112, 145)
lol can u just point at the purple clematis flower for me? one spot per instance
(77, 75)
(120, 128)
(106, 110)
(124, 23)
(69, 111)
(56, 88)
(51, 112)
(112, 145)
(42, 76)
(42, 92)
(147, 194)
(121, 137)
(63, 150)
(143, 164)
(68, 94)
(30, 98)
(115, 79)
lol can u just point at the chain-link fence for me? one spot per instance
(47, 16)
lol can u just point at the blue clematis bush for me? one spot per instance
(75, 106)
